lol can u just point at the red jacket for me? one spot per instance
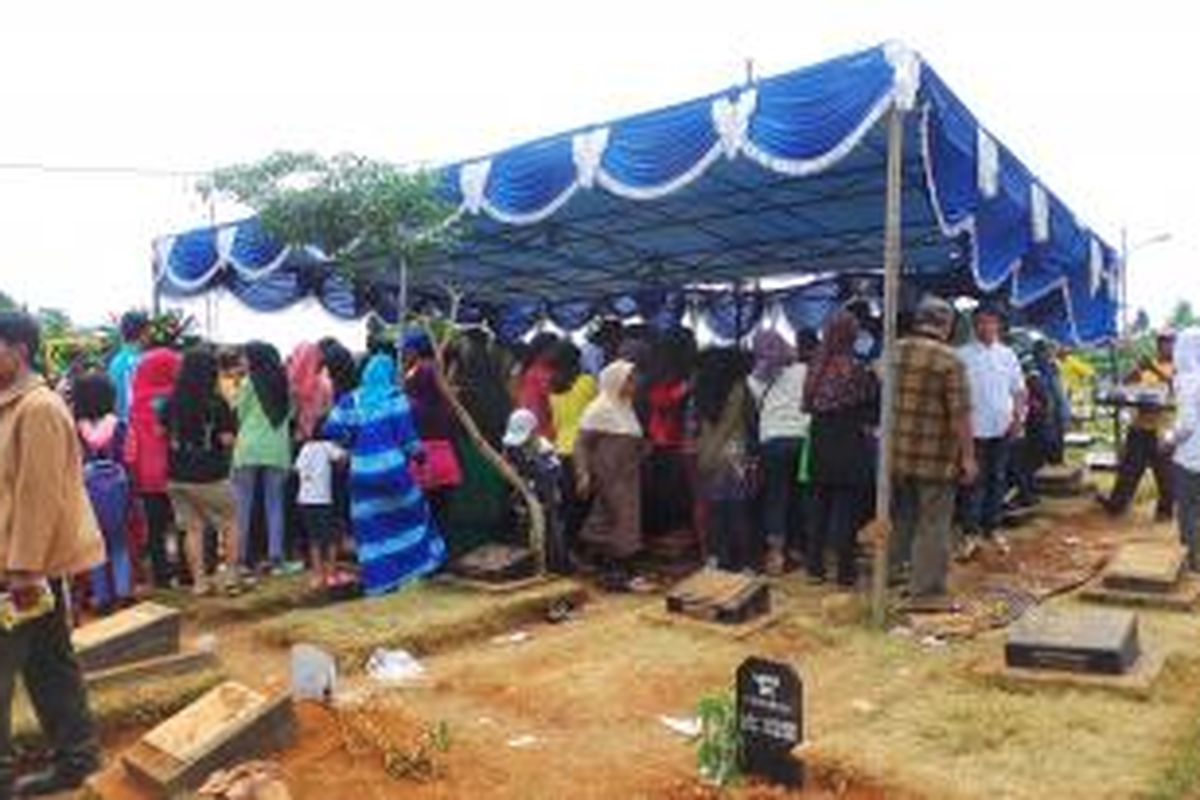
(533, 393)
(147, 445)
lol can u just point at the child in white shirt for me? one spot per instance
(314, 465)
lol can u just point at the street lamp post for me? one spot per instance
(1123, 330)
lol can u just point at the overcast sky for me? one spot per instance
(1099, 99)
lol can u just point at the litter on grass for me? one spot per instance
(517, 637)
(394, 666)
(522, 742)
(687, 727)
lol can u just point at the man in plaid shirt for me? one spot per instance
(932, 448)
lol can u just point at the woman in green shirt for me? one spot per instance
(263, 451)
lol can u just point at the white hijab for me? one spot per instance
(610, 412)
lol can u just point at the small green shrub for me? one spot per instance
(717, 751)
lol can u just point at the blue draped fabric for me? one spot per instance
(396, 537)
(782, 176)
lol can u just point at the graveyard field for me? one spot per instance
(573, 709)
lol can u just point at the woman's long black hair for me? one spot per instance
(339, 362)
(195, 391)
(269, 380)
(93, 396)
(718, 371)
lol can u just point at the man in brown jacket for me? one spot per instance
(47, 534)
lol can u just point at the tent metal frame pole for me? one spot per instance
(155, 286)
(402, 295)
(892, 256)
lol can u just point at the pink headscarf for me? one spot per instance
(312, 391)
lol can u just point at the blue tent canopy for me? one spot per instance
(782, 176)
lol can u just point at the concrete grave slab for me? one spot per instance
(152, 669)
(1145, 567)
(1183, 596)
(717, 596)
(1090, 641)
(147, 630)
(1138, 683)
(230, 724)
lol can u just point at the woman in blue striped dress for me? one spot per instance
(394, 532)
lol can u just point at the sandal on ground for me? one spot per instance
(640, 585)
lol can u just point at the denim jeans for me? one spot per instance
(987, 495)
(1187, 498)
(40, 652)
(781, 458)
(113, 580)
(274, 480)
(836, 513)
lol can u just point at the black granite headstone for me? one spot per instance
(1104, 642)
(770, 712)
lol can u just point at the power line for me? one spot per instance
(98, 169)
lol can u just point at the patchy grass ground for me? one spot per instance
(574, 710)
(422, 618)
(118, 708)
(271, 596)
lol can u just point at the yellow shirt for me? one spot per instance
(568, 409)
(1148, 419)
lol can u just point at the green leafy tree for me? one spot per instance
(1183, 316)
(55, 322)
(7, 303)
(355, 208)
(369, 216)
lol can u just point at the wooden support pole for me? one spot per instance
(892, 254)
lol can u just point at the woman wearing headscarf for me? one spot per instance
(608, 456)
(396, 538)
(440, 470)
(476, 368)
(1186, 440)
(668, 495)
(146, 452)
(777, 387)
(725, 443)
(842, 396)
(102, 436)
(311, 389)
(201, 429)
(476, 512)
(263, 451)
(339, 365)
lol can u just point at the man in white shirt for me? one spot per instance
(997, 414)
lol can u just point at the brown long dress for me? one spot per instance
(613, 461)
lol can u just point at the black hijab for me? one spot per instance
(269, 380)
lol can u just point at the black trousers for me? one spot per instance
(837, 515)
(40, 652)
(1142, 452)
(159, 519)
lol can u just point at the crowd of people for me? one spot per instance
(214, 466)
